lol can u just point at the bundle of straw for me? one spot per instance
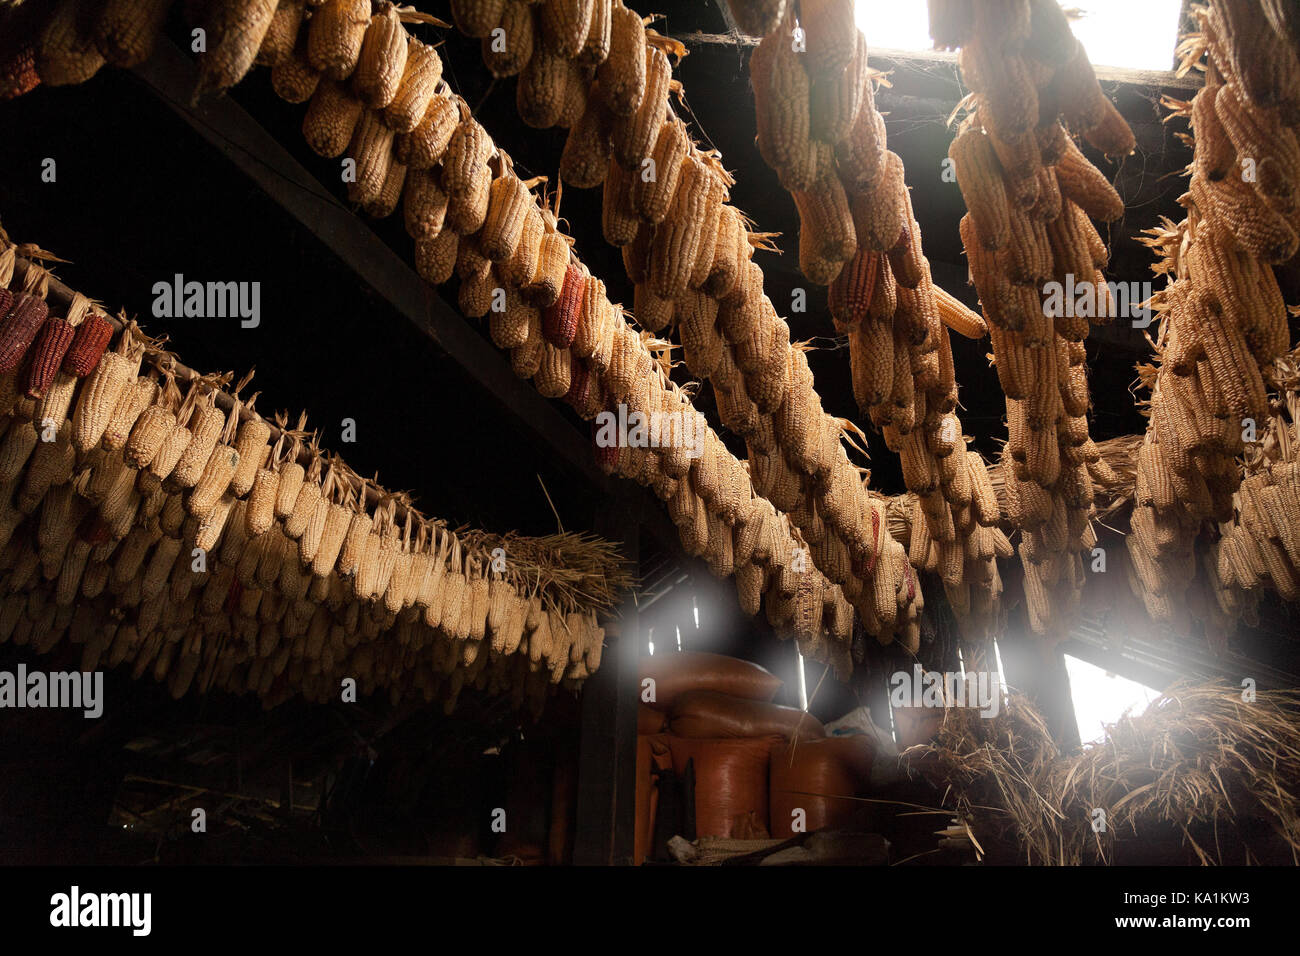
(1199, 762)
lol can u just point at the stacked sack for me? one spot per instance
(1030, 193)
(755, 762)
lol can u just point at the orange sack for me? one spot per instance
(815, 776)
(706, 713)
(730, 780)
(675, 673)
(650, 721)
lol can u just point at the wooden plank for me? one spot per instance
(889, 57)
(607, 750)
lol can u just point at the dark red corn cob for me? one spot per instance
(232, 597)
(18, 329)
(17, 61)
(90, 340)
(850, 293)
(560, 321)
(93, 529)
(606, 456)
(906, 268)
(875, 539)
(6, 301)
(47, 355)
(580, 380)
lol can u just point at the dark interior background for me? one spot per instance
(141, 196)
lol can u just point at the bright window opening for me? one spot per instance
(1137, 35)
(1002, 671)
(1101, 698)
(802, 681)
(895, 25)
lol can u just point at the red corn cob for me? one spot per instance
(560, 321)
(90, 340)
(6, 300)
(580, 384)
(904, 265)
(875, 537)
(94, 530)
(17, 61)
(47, 355)
(606, 456)
(19, 328)
(850, 293)
(232, 599)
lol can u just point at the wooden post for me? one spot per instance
(1036, 667)
(607, 750)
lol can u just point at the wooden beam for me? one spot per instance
(607, 749)
(884, 56)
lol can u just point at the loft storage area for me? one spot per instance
(731, 433)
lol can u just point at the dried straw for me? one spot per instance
(1199, 762)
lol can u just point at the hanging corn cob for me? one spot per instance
(235, 32)
(334, 123)
(86, 528)
(691, 251)
(1030, 192)
(1223, 323)
(814, 99)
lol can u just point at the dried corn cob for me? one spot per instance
(65, 51)
(560, 319)
(508, 53)
(127, 30)
(417, 90)
(979, 177)
(89, 341)
(235, 31)
(634, 135)
(565, 25)
(332, 117)
(622, 75)
(424, 146)
(587, 150)
(46, 356)
(293, 78)
(382, 59)
(655, 182)
(476, 18)
(335, 34)
(282, 35)
(677, 241)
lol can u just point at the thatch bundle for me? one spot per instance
(1200, 762)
